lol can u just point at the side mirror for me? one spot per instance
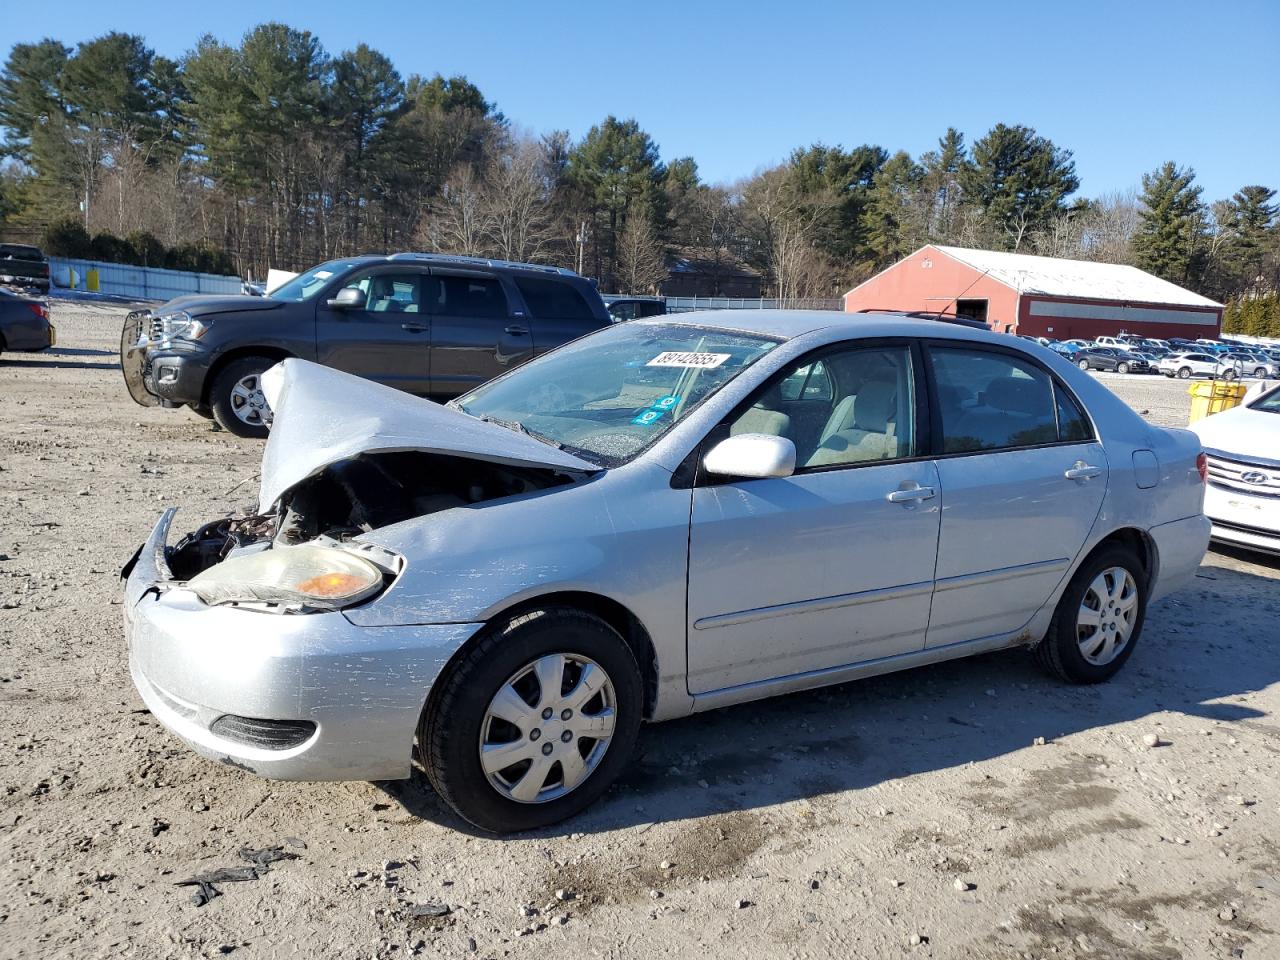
(755, 456)
(348, 298)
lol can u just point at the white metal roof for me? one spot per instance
(1055, 277)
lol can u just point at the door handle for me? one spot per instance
(1082, 471)
(516, 330)
(415, 327)
(910, 495)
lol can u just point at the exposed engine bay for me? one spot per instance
(356, 495)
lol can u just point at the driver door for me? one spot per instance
(388, 338)
(819, 569)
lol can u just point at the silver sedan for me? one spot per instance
(665, 517)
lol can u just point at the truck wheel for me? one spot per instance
(236, 398)
(534, 722)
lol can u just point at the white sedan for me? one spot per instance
(1243, 451)
(671, 515)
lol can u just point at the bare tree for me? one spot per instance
(516, 199)
(641, 259)
(786, 224)
(458, 220)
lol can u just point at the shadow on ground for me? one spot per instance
(1200, 650)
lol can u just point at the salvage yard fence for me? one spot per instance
(685, 304)
(138, 283)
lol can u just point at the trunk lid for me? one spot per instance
(322, 416)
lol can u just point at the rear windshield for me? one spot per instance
(14, 251)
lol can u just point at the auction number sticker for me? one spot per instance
(675, 358)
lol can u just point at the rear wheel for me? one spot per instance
(1098, 620)
(535, 721)
(236, 397)
(1184, 373)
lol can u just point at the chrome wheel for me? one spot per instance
(249, 403)
(1083, 364)
(547, 728)
(1107, 615)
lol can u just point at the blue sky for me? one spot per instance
(1125, 85)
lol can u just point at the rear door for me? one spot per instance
(475, 332)
(1022, 476)
(558, 311)
(389, 339)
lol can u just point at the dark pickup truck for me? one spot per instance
(429, 324)
(24, 266)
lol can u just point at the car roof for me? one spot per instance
(789, 324)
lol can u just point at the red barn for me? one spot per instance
(1038, 296)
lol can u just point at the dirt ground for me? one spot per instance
(908, 816)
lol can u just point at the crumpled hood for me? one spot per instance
(203, 305)
(1248, 433)
(322, 416)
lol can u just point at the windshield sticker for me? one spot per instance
(648, 418)
(322, 275)
(665, 403)
(674, 358)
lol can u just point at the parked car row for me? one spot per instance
(1174, 358)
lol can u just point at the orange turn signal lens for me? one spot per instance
(331, 585)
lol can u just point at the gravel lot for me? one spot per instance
(907, 816)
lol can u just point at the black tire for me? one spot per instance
(1083, 364)
(1259, 373)
(450, 728)
(1059, 651)
(1122, 368)
(1228, 375)
(1184, 373)
(221, 402)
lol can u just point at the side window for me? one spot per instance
(1072, 423)
(462, 296)
(809, 382)
(389, 292)
(854, 406)
(555, 298)
(992, 401)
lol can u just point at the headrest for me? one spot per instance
(875, 406)
(1016, 395)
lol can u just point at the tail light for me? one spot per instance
(1202, 467)
(39, 309)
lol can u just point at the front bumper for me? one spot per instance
(160, 374)
(362, 687)
(1242, 519)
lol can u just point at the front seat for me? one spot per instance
(861, 427)
(764, 416)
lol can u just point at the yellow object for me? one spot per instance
(1214, 396)
(91, 280)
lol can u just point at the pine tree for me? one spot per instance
(1019, 180)
(1171, 228)
(1231, 317)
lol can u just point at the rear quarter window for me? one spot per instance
(549, 298)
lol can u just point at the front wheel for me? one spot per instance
(1122, 368)
(1228, 375)
(1083, 364)
(1098, 620)
(1259, 373)
(237, 400)
(535, 721)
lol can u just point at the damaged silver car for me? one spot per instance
(671, 515)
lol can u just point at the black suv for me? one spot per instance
(430, 324)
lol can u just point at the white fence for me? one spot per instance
(139, 283)
(683, 304)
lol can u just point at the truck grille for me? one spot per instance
(1263, 480)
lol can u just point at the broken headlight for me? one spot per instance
(309, 576)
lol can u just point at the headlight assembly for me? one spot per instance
(181, 326)
(306, 576)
